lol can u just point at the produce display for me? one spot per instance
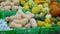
(9, 5)
(22, 20)
(30, 14)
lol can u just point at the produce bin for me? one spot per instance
(57, 30)
(28, 31)
(58, 1)
(44, 30)
(7, 31)
(4, 14)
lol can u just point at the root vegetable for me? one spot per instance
(33, 22)
(14, 8)
(9, 19)
(7, 8)
(28, 25)
(29, 13)
(18, 25)
(12, 24)
(17, 17)
(23, 21)
(3, 3)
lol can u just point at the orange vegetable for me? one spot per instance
(55, 9)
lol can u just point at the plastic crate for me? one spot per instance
(1, 15)
(7, 31)
(58, 1)
(44, 30)
(4, 14)
(28, 31)
(57, 30)
(51, 30)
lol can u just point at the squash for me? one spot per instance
(58, 23)
(40, 23)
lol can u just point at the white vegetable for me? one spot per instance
(33, 22)
(27, 25)
(7, 8)
(9, 19)
(48, 16)
(12, 4)
(14, 7)
(17, 17)
(3, 3)
(29, 13)
(23, 21)
(18, 25)
(12, 24)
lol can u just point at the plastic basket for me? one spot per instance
(44, 30)
(51, 30)
(58, 1)
(4, 14)
(7, 31)
(28, 31)
(57, 30)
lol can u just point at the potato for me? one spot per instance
(23, 21)
(14, 8)
(27, 25)
(33, 22)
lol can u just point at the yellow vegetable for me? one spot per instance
(36, 1)
(40, 23)
(58, 23)
(40, 7)
(30, 3)
(47, 20)
(47, 25)
(26, 6)
(23, 1)
(52, 23)
(35, 10)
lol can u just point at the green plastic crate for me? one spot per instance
(28, 31)
(1, 14)
(7, 32)
(57, 29)
(51, 30)
(4, 14)
(58, 1)
(44, 30)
